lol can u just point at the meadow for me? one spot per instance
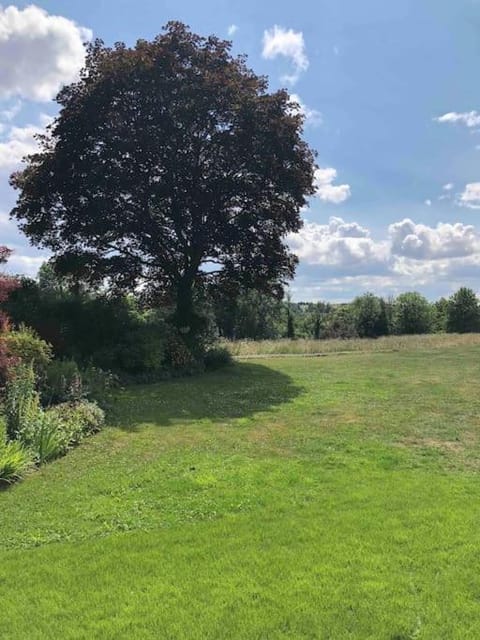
(382, 344)
(331, 498)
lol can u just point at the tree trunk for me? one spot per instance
(188, 323)
(184, 313)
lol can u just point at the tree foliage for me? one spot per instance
(412, 314)
(8, 284)
(463, 312)
(172, 169)
(370, 316)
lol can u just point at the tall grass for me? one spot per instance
(307, 347)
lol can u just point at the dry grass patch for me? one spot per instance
(251, 348)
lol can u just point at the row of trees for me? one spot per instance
(125, 335)
(256, 317)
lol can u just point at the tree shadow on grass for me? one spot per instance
(238, 391)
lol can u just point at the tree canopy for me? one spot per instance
(170, 168)
(412, 314)
(463, 312)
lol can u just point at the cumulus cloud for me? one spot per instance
(20, 142)
(38, 52)
(232, 30)
(448, 187)
(289, 44)
(428, 202)
(470, 196)
(470, 119)
(328, 192)
(312, 117)
(421, 242)
(338, 245)
(25, 265)
(342, 253)
(422, 255)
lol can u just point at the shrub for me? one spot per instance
(142, 351)
(14, 461)
(47, 441)
(216, 358)
(98, 383)
(7, 362)
(22, 404)
(178, 356)
(49, 433)
(25, 345)
(62, 382)
(77, 419)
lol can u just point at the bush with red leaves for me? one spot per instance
(7, 285)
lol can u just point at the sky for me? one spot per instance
(392, 106)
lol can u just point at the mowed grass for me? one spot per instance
(326, 498)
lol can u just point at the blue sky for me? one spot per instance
(392, 101)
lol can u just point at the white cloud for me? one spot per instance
(470, 197)
(38, 52)
(288, 43)
(20, 142)
(423, 255)
(344, 254)
(232, 30)
(338, 245)
(421, 242)
(448, 187)
(328, 192)
(468, 118)
(312, 117)
(428, 202)
(25, 265)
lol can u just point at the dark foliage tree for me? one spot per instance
(171, 169)
(440, 307)
(290, 325)
(249, 315)
(341, 322)
(463, 312)
(412, 314)
(370, 316)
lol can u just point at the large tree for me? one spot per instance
(463, 312)
(170, 168)
(412, 314)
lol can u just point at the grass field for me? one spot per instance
(254, 348)
(326, 498)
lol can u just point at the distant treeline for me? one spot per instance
(256, 317)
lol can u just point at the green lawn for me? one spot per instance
(323, 498)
